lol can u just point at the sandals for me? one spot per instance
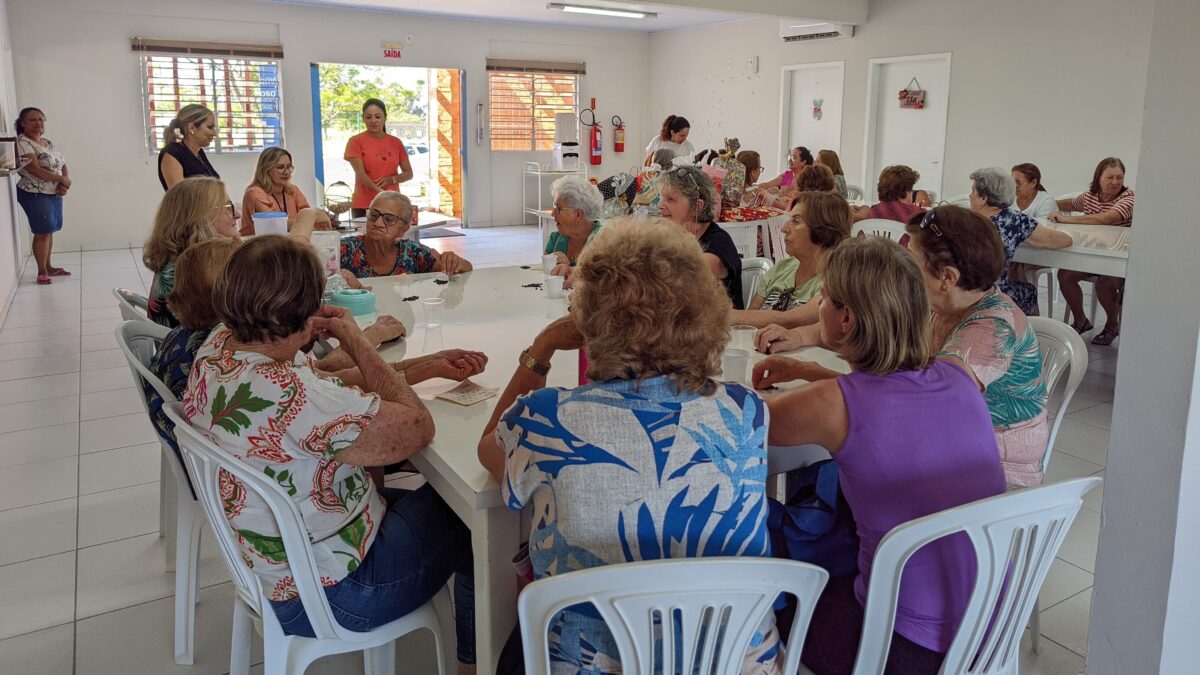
(1084, 327)
(1106, 337)
(43, 279)
(59, 272)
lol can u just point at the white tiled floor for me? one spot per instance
(83, 587)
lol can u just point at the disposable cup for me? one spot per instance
(548, 263)
(734, 363)
(554, 287)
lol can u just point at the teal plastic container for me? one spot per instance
(359, 301)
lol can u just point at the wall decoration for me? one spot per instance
(912, 96)
(817, 104)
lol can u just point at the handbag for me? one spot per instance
(815, 524)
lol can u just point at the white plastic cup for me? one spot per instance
(327, 244)
(433, 342)
(554, 287)
(270, 223)
(548, 262)
(734, 363)
(433, 311)
(742, 337)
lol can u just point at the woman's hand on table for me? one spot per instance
(775, 369)
(452, 263)
(351, 280)
(560, 335)
(775, 338)
(323, 222)
(385, 329)
(562, 259)
(338, 323)
(458, 364)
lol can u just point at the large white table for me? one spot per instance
(1090, 260)
(488, 310)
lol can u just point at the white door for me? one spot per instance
(909, 136)
(812, 109)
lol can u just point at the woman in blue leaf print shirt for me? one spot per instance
(652, 460)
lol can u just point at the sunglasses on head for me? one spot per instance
(929, 221)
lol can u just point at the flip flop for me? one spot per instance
(1082, 328)
(59, 272)
(43, 279)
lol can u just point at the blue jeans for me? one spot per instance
(420, 543)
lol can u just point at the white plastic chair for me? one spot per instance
(1015, 537)
(880, 227)
(754, 270)
(853, 192)
(718, 602)
(291, 654)
(1063, 352)
(963, 200)
(180, 521)
(133, 306)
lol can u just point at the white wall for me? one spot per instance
(12, 228)
(1144, 607)
(1028, 81)
(72, 58)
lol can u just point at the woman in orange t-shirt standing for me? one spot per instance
(379, 159)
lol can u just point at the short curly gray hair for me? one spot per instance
(695, 185)
(995, 185)
(578, 193)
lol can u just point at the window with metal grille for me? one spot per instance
(243, 92)
(523, 104)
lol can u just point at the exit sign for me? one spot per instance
(391, 50)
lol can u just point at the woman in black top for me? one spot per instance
(184, 140)
(687, 199)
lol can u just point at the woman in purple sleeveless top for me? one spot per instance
(911, 436)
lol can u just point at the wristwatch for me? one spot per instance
(526, 359)
(398, 366)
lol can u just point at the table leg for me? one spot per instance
(495, 535)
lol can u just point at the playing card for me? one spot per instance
(468, 393)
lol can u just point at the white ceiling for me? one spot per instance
(535, 11)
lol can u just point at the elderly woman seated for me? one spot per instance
(653, 321)
(960, 255)
(897, 201)
(381, 553)
(687, 200)
(383, 251)
(898, 425)
(576, 206)
(992, 194)
(820, 221)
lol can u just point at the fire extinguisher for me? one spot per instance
(596, 138)
(618, 134)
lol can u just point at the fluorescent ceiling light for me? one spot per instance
(602, 11)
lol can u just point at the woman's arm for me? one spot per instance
(1108, 217)
(305, 222)
(172, 170)
(38, 172)
(803, 315)
(1065, 204)
(1048, 237)
(406, 172)
(249, 208)
(360, 174)
(776, 338)
(813, 413)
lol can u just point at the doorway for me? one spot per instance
(811, 114)
(425, 111)
(910, 136)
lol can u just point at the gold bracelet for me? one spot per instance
(526, 359)
(399, 368)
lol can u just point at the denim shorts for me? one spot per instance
(420, 544)
(43, 211)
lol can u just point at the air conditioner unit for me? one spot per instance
(795, 30)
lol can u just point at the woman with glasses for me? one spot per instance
(383, 251)
(194, 210)
(687, 200)
(272, 191)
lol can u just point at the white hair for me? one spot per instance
(995, 185)
(578, 193)
(393, 196)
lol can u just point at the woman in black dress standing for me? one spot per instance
(184, 140)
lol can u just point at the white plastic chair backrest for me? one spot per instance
(853, 192)
(880, 227)
(1062, 350)
(134, 307)
(1015, 538)
(754, 270)
(778, 249)
(205, 461)
(708, 610)
(960, 200)
(139, 340)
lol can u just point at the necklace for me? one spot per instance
(282, 208)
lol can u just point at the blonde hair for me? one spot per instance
(266, 161)
(196, 272)
(647, 305)
(190, 114)
(882, 287)
(185, 217)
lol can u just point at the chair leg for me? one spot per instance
(1051, 291)
(187, 573)
(1035, 626)
(1095, 303)
(167, 511)
(445, 640)
(243, 633)
(380, 660)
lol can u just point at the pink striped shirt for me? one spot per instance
(1090, 204)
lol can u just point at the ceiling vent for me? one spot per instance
(797, 30)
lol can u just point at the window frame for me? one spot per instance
(534, 71)
(206, 61)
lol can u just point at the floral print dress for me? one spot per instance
(411, 258)
(290, 423)
(1014, 228)
(999, 345)
(619, 471)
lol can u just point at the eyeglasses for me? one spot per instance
(232, 209)
(389, 219)
(285, 169)
(930, 221)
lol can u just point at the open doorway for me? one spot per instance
(425, 111)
